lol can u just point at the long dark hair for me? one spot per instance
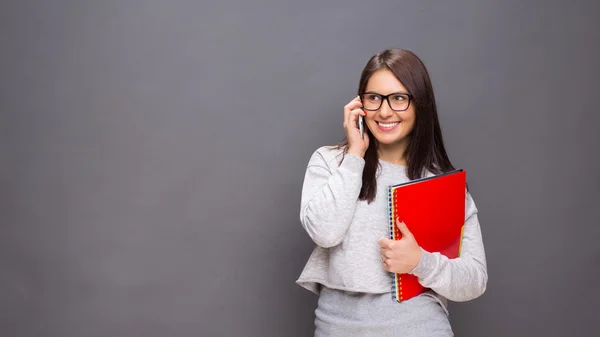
(425, 150)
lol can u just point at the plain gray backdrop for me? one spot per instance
(153, 152)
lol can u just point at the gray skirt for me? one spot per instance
(342, 313)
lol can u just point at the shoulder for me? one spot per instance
(327, 157)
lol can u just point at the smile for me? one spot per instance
(387, 126)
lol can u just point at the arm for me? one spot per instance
(461, 279)
(329, 199)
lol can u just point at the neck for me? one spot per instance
(393, 153)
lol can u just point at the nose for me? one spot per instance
(385, 111)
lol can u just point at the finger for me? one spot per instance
(383, 257)
(355, 103)
(403, 228)
(385, 243)
(352, 105)
(348, 111)
(352, 118)
(358, 111)
(386, 265)
(386, 253)
(352, 109)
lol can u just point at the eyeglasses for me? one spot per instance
(398, 101)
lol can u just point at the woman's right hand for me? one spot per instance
(356, 144)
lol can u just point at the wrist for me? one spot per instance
(418, 257)
(417, 261)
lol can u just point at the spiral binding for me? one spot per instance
(392, 214)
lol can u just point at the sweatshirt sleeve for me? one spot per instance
(461, 279)
(329, 197)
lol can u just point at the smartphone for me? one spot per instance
(361, 126)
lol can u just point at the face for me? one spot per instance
(388, 126)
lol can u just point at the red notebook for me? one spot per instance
(433, 209)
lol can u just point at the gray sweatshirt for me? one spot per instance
(345, 231)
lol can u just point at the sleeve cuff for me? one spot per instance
(425, 266)
(353, 163)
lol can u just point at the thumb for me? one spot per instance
(403, 229)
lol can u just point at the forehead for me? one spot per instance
(384, 82)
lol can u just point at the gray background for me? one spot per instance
(152, 156)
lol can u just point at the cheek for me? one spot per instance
(409, 119)
(369, 119)
(409, 124)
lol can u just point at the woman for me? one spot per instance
(344, 211)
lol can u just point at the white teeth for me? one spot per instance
(389, 125)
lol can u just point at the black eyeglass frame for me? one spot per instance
(385, 98)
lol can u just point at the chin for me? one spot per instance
(389, 140)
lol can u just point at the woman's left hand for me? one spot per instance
(400, 256)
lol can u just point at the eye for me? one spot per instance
(399, 98)
(372, 97)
